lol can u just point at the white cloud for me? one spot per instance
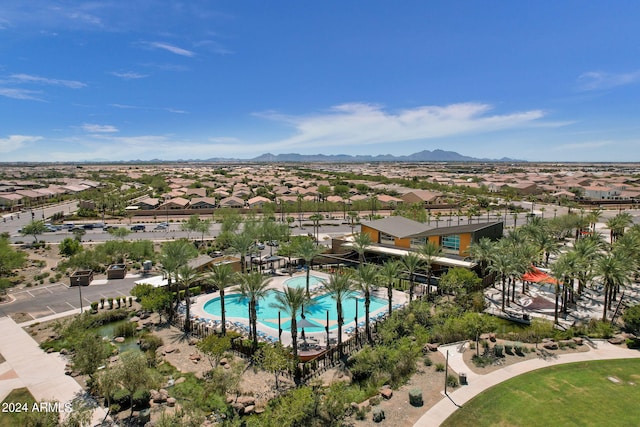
(582, 145)
(170, 48)
(357, 124)
(15, 142)
(224, 140)
(93, 128)
(27, 78)
(176, 111)
(598, 80)
(25, 94)
(129, 75)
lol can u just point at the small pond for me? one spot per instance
(107, 330)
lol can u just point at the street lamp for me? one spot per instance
(79, 292)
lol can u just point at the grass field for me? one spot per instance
(9, 416)
(576, 394)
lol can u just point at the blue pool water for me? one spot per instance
(237, 306)
(301, 281)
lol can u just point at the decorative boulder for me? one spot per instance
(578, 340)
(550, 345)
(415, 397)
(171, 401)
(378, 415)
(386, 393)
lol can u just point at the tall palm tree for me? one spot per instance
(307, 250)
(242, 243)
(339, 287)
(254, 287)
(412, 262)
(389, 272)
(361, 241)
(175, 254)
(501, 264)
(188, 276)
(618, 224)
(366, 277)
(481, 252)
(614, 272)
(586, 252)
(221, 276)
(292, 301)
(593, 217)
(561, 270)
(430, 251)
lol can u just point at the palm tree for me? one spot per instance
(430, 251)
(618, 224)
(242, 244)
(307, 250)
(221, 276)
(292, 301)
(389, 273)
(174, 255)
(187, 276)
(481, 252)
(366, 277)
(412, 262)
(361, 241)
(339, 287)
(501, 264)
(614, 272)
(316, 218)
(254, 287)
(586, 252)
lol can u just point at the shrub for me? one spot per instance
(508, 348)
(115, 408)
(518, 349)
(498, 350)
(452, 381)
(52, 280)
(427, 361)
(415, 397)
(361, 414)
(375, 400)
(196, 290)
(130, 301)
(101, 302)
(118, 302)
(141, 399)
(439, 367)
(110, 301)
(94, 307)
(150, 342)
(127, 329)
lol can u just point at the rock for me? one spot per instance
(227, 366)
(171, 401)
(485, 336)
(492, 337)
(195, 357)
(248, 409)
(432, 346)
(550, 345)
(230, 400)
(378, 415)
(50, 350)
(180, 380)
(578, 340)
(617, 340)
(134, 319)
(169, 349)
(246, 400)
(64, 351)
(354, 406)
(224, 361)
(119, 339)
(193, 341)
(258, 411)
(365, 405)
(386, 393)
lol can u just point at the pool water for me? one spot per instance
(301, 281)
(238, 307)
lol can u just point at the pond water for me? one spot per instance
(108, 332)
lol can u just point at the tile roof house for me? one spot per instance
(422, 196)
(175, 203)
(232, 202)
(202, 203)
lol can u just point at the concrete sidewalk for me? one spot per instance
(479, 383)
(27, 365)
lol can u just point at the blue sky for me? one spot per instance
(145, 79)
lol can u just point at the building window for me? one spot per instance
(418, 242)
(387, 239)
(450, 244)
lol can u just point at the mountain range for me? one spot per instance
(421, 156)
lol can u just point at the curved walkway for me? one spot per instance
(477, 383)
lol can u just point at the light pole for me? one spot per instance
(79, 292)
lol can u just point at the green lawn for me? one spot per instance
(576, 394)
(8, 415)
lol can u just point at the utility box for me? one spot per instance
(81, 278)
(116, 271)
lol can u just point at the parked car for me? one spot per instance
(138, 227)
(260, 246)
(88, 226)
(161, 226)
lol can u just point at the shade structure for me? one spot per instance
(536, 276)
(306, 323)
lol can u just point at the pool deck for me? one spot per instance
(197, 311)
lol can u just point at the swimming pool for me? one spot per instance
(301, 281)
(237, 306)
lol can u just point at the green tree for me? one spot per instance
(361, 241)
(307, 250)
(188, 277)
(119, 233)
(221, 276)
(10, 259)
(476, 324)
(614, 272)
(108, 383)
(430, 251)
(412, 262)
(292, 302)
(631, 318)
(481, 252)
(133, 373)
(69, 247)
(254, 287)
(192, 224)
(34, 228)
(157, 300)
(89, 353)
(242, 244)
(339, 287)
(274, 359)
(173, 255)
(366, 278)
(214, 347)
(389, 273)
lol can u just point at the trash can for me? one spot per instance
(463, 378)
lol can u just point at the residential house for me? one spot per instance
(232, 202)
(148, 203)
(175, 203)
(202, 203)
(258, 202)
(423, 196)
